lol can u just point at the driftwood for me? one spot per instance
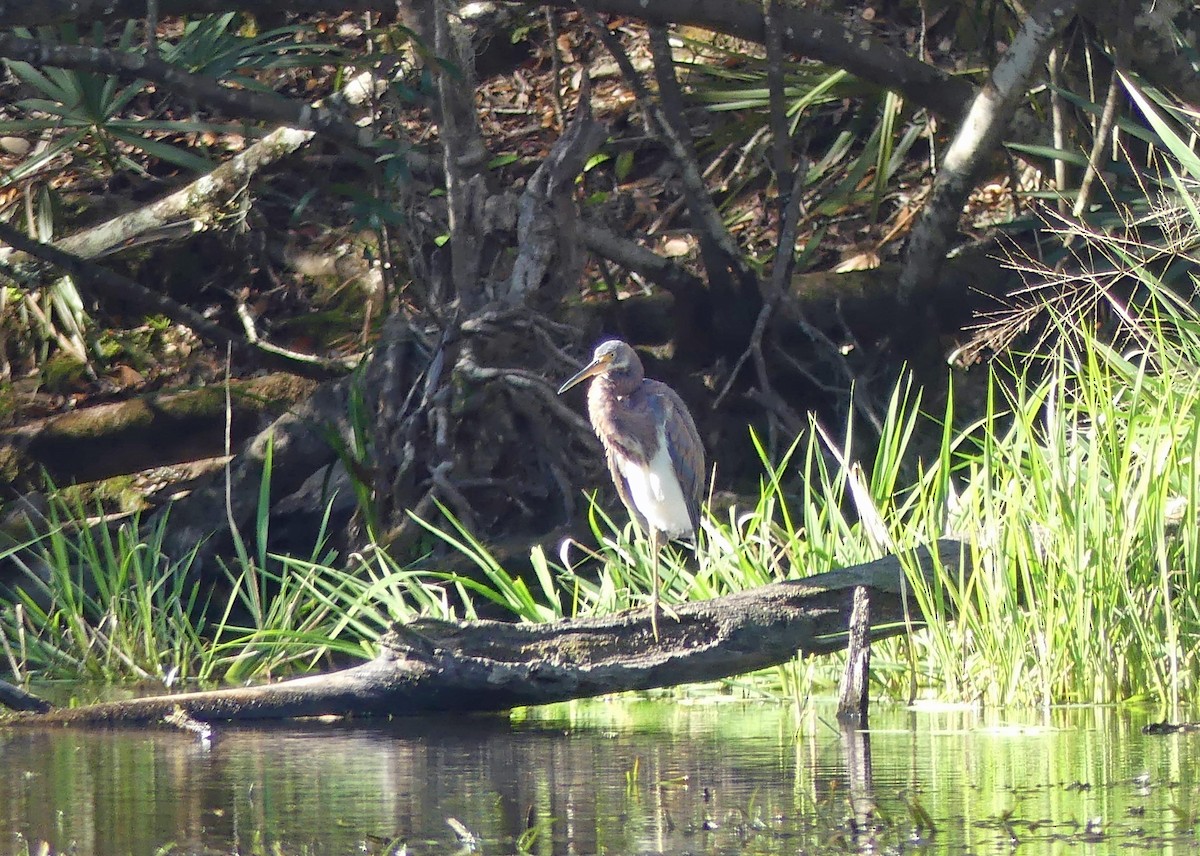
(435, 666)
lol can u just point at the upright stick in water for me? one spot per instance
(653, 449)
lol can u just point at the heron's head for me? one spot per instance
(613, 358)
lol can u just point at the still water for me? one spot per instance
(623, 777)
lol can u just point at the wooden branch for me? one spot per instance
(325, 366)
(632, 256)
(104, 281)
(1108, 120)
(788, 181)
(821, 37)
(669, 127)
(203, 202)
(729, 276)
(548, 219)
(977, 137)
(854, 692)
(15, 698)
(433, 666)
(112, 284)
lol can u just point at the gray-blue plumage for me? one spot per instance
(655, 454)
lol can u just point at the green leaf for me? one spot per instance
(31, 76)
(1050, 153)
(164, 151)
(1166, 133)
(502, 160)
(624, 165)
(595, 161)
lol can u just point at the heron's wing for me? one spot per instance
(622, 486)
(685, 447)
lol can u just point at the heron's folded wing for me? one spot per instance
(622, 486)
(686, 450)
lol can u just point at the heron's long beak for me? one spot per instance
(592, 369)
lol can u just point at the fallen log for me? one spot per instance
(433, 666)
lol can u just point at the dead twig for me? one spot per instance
(1108, 118)
(334, 365)
(672, 132)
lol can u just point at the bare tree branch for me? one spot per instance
(976, 139)
(1108, 118)
(673, 130)
(15, 698)
(634, 257)
(113, 284)
(200, 204)
(729, 278)
(786, 181)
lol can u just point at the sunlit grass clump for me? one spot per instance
(1078, 495)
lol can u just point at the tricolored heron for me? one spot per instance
(653, 449)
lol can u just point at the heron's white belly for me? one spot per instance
(656, 493)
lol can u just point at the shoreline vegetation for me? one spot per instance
(1067, 464)
(1076, 491)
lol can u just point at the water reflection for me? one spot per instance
(628, 777)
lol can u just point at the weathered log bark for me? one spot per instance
(854, 700)
(434, 666)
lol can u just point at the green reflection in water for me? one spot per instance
(611, 777)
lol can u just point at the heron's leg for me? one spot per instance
(654, 581)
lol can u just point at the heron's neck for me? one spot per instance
(620, 420)
(622, 385)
